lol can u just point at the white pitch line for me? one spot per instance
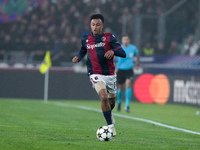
(127, 117)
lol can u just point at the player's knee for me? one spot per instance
(103, 96)
(128, 83)
(112, 100)
(128, 87)
(120, 87)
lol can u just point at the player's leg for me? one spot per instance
(128, 93)
(119, 96)
(120, 82)
(100, 87)
(105, 105)
(106, 108)
(112, 90)
(128, 90)
(112, 98)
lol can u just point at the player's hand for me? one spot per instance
(109, 54)
(76, 59)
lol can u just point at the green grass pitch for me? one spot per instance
(61, 125)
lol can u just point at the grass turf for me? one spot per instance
(35, 125)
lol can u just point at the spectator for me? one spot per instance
(2, 55)
(160, 49)
(190, 48)
(160, 6)
(148, 50)
(44, 20)
(198, 52)
(173, 49)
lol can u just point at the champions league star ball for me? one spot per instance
(104, 133)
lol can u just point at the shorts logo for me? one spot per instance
(93, 81)
(96, 78)
(103, 38)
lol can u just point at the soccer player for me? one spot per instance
(100, 49)
(125, 72)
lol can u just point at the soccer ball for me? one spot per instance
(104, 133)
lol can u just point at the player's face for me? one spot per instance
(96, 26)
(125, 41)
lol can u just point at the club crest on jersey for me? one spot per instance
(103, 38)
(92, 46)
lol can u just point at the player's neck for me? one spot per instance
(97, 34)
(126, 45)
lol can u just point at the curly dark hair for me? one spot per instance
(97, 16)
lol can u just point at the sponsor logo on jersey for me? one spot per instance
(101, 44)
(131, 55)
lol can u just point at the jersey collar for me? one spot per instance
(97, 35)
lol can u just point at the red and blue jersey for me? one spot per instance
(95, 47)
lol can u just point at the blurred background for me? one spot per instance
(30, 27)
(166, 33)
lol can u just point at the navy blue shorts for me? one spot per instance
(122, 75)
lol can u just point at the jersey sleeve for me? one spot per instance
(116, 47)
(83, 50)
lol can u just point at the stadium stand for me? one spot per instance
(57, 25)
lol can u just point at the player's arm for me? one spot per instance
(136, 58)
(119, 52)
(81, 54)
(117, 49)
(75, 59)
(137, 61)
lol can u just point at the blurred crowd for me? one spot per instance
(57, 25)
